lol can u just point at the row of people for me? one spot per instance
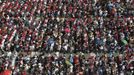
(67, 64)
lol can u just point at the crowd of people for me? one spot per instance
(66, 26)
(62, 64)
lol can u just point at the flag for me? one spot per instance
(68, 63)
(50, 41)
(67, 30)
(71, 59)
(124, 42)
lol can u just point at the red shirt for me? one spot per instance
(24, 73)
(6, 72)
